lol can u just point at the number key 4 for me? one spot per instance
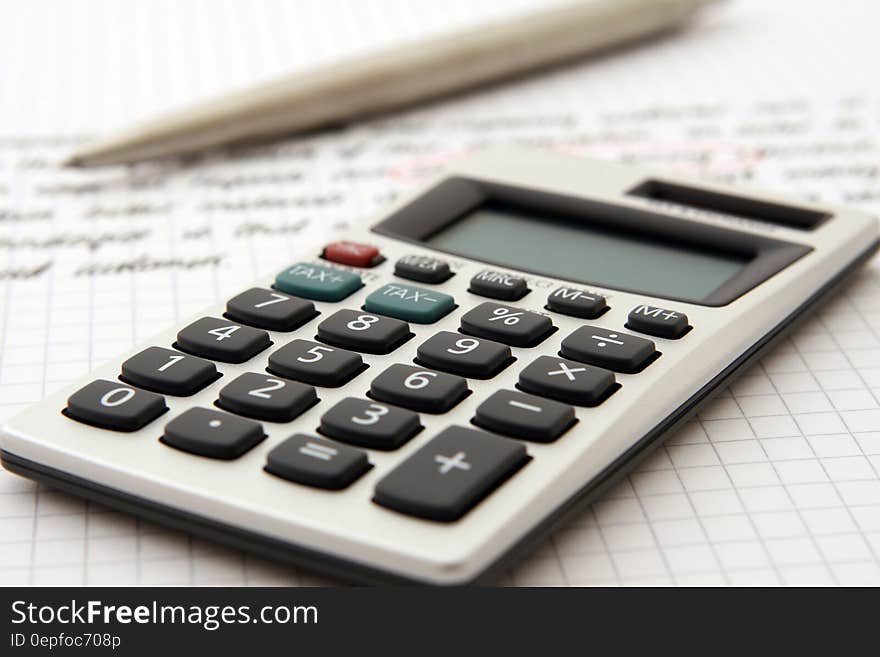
(217, 339)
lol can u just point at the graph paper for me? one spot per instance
(777, 481)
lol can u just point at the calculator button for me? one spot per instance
(270, 310)
(218, 339)
(314, 363)
(111, 405)
(424, 269)
(524, 416)
(465, 356)
(207, 432)
(661, 322)
(507, 324)
(369, 424)
(355, 329)
(620, 352)
(567, 381)
(317, 462)
(447, 477)
(577, 303)
(409, 303)
(498, 285)
(418, 389)
(354, 254)
(266, 398)
(318, 282)
(169, 372)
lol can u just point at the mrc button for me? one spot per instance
(498, 285)
(662, 322)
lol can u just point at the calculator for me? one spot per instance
(425, 399)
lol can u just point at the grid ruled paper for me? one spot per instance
(776, 482)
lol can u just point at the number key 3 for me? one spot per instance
(369, 424)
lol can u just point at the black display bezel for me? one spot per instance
(454, 198)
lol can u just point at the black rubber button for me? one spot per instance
(507, 324)
(169, 372)
(270, 310)
(612, 350)
(472, 357)
(452, 473)
(418, 389)
(424, 269)
(567, 381)
(219, 339)
(577, 303)
(662, 322)
(362, 331)
(370, 424)
(112, 405)
(524, 416)
(315, 363)
(498, 285)
(212, 433)
(317, 462)
(264, 397)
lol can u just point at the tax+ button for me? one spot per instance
(317, 282)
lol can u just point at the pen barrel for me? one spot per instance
(400, 77)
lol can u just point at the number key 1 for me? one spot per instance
(169, 372)
(457, 354)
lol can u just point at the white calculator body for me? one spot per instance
(426, 398)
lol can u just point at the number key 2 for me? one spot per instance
(471, 357)
(266, 398)
(217, 339)
(353, 329)
(368, 424)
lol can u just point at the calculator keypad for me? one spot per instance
(318, 282)
(471, 357)
(524, 416)
(409, 303)
(662, 322)
(424, 269)
(612, 350)
(219, 339)
(418, 389)
(576, 303)
(361, 331)
(507, 324)
(169, 372)
(498, 285)
(270, 310)
(212, 433)
(317, 462)
(112, 405)
(567, 381)
(315, 363)
(449, 475)
(264, 397)
(369, 424)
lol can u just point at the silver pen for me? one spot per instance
(395, 78)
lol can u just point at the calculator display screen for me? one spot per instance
(572, 250)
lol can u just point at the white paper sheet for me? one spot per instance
(776, 482)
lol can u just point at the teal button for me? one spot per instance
(409, 303)
(317, 282)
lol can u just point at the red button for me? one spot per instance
(354, 254)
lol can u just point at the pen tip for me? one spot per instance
(72, 161)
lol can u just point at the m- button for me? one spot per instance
(661, 322)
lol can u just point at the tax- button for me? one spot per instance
(409, 303)
(354, 254)
(498, 285)
(317, 282)
(661, 322)
(612, 350)
(448, 476)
